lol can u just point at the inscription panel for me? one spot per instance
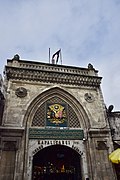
(72, 134)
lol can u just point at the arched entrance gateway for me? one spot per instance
(54, 124)
(57, 162)
(56, 149)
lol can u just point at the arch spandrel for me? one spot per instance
(66, 97)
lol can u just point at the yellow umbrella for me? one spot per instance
(115, 156)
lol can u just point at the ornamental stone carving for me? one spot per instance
(51, 73)
(89, 97)
(21, 92)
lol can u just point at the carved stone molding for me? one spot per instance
(96, 133)
(23, 64)
(52, 77)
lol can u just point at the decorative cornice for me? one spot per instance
(53, 74)
(51, 67)
(99, 132)
(11, 131)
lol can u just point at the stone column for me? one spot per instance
(101, 168)
(7, 165)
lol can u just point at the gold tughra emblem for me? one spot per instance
(56, 114)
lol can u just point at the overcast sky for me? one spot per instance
(87, 31)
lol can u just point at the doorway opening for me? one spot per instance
(57, 162)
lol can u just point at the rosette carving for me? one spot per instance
(21, 92)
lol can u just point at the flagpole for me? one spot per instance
(49, 55)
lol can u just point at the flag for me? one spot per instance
(55, 56)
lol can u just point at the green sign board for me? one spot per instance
(61, 134)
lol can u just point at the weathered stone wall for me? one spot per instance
(2, 99)
(114, 121)
(16, 106)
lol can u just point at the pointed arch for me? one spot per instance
(65, 96)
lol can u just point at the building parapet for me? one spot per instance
(52, 67)
(51, 73)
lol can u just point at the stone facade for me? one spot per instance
(29, 87)
(2, 99)
(114, 122)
